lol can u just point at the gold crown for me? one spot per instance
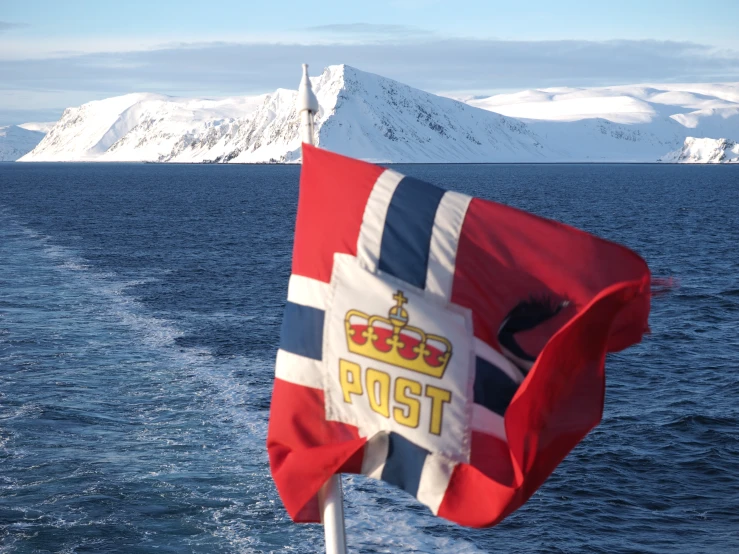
(391, 340)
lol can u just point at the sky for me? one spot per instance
(60, 53)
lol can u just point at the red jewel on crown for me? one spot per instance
(391, 340)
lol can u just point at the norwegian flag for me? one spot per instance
(448, 345)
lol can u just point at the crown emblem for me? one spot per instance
(391, 340)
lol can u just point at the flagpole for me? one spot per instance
(330, 496)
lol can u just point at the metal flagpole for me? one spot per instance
(330, 496)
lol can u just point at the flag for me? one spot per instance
(451, 346)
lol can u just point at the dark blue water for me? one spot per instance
(139, 314)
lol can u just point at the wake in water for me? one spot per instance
(155, 442)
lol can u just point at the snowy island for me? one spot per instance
(377, 119)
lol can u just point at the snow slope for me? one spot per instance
(15, 141)
(689, 104)
(137, 127)
(602, 140)
(705, 151)
(42, 126)
(361, 115)
(623, 123)
(370, 117)
(383, 120)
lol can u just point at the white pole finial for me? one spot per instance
(307, 108)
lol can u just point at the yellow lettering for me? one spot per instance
(409, 415)
(378, 391)
(349, 376)
(438, 397)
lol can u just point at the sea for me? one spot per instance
(140, 308)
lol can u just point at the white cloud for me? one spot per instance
(430, 63)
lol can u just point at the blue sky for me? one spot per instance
(59, 53)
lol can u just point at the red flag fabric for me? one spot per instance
(451, 346)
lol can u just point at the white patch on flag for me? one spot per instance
(490, 354)
(444, 240)
(299, 370)
(488, 422)
(435, 476)
(382, 383)
(373, 221)
(375, 455)
(308, 292)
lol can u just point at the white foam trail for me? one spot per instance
(384, 519)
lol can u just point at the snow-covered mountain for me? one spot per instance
(361, 115)
(705, 151)
(623, 123)
(602, 140)
(15, 141)
(138, 127)
(370, 117)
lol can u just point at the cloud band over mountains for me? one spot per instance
(434, 64)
